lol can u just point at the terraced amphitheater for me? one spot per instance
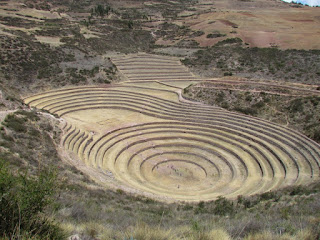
(143, 137)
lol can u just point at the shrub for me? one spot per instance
(30, 115)
(247, 111)
(299, 190)
(296, 106)
(15, 123)
(251, 227)
(22, 200)
(227, 74)
(229, 41)
(187, 207)
(101, 10)
(220, 97)
(120, 191)
(215, 35)
(316, 135)
(258, 104)
(223, 207)
(267, 196)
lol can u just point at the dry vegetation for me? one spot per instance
(119, 137)
(231, 57)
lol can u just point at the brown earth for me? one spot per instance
(258, 23)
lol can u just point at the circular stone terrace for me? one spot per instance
(143, 137)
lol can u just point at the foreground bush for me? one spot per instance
(23, 199)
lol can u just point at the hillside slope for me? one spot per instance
(61, 57)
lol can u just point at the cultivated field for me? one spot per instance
(141, 136)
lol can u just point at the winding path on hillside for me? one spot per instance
(145, 138)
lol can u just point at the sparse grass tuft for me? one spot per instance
(218, 234)
(144, 232)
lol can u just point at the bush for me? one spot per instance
(30, 115)
(267, 196)
(296, 106)
(101, 10)
(22, 200)
(299, 190)
(316, 135)
(227, 74)
(15, 123)
(229, 41)
(220, 97)
(247, 111)
(223, 207)
(258, 104)
(215, 35)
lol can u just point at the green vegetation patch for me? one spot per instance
(23, 200)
